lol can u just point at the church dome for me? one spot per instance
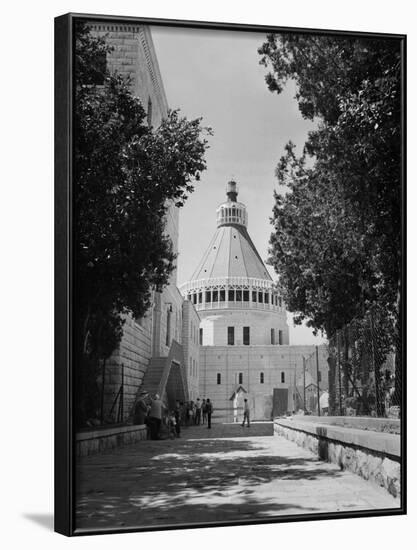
(231, 273)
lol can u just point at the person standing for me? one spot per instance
(155, 416)
(209, 408)
(204, 410)
(246, 413)
(198, 412)
(141, 409)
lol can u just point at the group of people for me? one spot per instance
(153, 412)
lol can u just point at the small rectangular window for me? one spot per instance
(194, 298)
(246, 336)
(201, 336)
(222, 295)
(260, 297)
(280, 337)
(215, 295)
(254, 296)
(261, 378)
(231, 295)
(231, 336)
(240, 377)
(238, 295)
(168, 335)
(273, 336)
(266, 297)
(200, 297)
(246, 295)
(208, 296)
(219, 378)
(282, 377)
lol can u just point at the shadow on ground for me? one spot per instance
(194, 480)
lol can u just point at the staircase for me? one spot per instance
(153, 376)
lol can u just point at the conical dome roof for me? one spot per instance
(231, 253)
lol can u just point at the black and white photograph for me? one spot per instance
(237, 285)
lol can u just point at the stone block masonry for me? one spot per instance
(375, 456)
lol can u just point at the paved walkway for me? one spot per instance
(223, 474)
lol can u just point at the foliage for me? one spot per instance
(336, 240)
(126, 174)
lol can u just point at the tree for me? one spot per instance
(125, 175)
(336, 243)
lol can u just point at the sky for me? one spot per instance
(216, 75)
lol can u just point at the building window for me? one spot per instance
(219, 378)
(254, 296)
(238, 295)
(266, 297)
(261, 378)
(200, 297)
(215, 295)
(222, 295)
(246, 336)
(282, 377)
(230, 336)
(280, 302)
(208, 296)
(240, 377)
(260, 297)
(194, 298)
(168, 337)
(280, 337)
(246, 295)
(273, 336)
(201, 336)
(231, 295)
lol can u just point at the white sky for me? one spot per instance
(216, 75)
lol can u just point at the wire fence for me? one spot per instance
(365, 370)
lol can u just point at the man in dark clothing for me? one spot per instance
(141, 409)
(198, 411)
(155, 416)
(209, 408)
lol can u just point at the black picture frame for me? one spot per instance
(64, 397)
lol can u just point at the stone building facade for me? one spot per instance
(151, 345)
(244, 335)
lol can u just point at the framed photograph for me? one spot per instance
(230, 274)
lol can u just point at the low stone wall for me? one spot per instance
(375, 456)
(96, 441)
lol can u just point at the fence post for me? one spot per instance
(103, 372)
(318, 382)
(375, 367)
(339, 373)
(304, 383)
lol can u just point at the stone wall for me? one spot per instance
(96, 441)
(251, 361)
(191, 347)
(375, 456)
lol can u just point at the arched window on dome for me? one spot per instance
(208, 296)
(222, 295)
(246, 295)
(231, 295)
(215, 295)
(254, 296)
